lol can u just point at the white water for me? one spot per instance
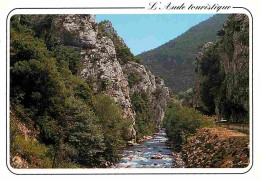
(142, 156)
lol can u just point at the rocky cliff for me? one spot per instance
(153, 86)
(222, 85)
(105, 70)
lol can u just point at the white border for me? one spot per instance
(123, 170)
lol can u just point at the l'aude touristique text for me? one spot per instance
(171, 6)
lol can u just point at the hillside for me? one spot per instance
(174, 61)
(222, 76)
(216, 148)
(77, 93)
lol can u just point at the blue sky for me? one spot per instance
(146, 32)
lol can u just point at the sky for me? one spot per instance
(143, 32)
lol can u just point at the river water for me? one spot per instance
(152, 153)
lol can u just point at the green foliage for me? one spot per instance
(112, 125)
(31, 150)
(185, 97)
(140, 102)
(76, 127)
(224, 73)
(133, 78)
(104, 83)
(24, 46)
(174, 60)
(157, 93)
(210, 68)
(70, 55)
(83, 135)
(181, 122)
(123, 53)
(143, 125)
(101, 31)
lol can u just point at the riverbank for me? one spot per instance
(216, 148)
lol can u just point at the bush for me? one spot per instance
(143, 125)
(181, 122)
(111, 122)
(35, 153)
(70, 55)
(76, 127)
(133, 78)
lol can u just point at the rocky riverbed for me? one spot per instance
(152, 153)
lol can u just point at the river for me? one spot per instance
(152, 153)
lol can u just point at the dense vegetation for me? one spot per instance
(143, 125)
(222, 86)
(181, 122)
(174, 61)
(72, 126)
(223, 73)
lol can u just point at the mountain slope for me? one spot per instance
(174, 61)
(78, 95)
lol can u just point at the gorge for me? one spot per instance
(82, 75)
(80, 99)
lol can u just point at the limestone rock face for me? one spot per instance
(109, 29)
(235, 60)
(230, 63)
(155, 88)
(101, 66)
(103, 69)
(77, 30)
(146, 80)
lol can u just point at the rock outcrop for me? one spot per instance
(153, 86)
(222, 85)
(103, 69)
(196, 101)
(146, 82)
(111, 32)
(235, 61)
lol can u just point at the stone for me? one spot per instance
(102, 67)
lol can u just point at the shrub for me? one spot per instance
(35, 153)
(76, 128)
(70, 55)
(181, 122)
(143, 125)
(157, 93)
(133, 78)
(111, 122)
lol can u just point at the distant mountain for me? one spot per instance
(174, 61)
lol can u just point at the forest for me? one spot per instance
(68, 124)
(174, 61)
(221, 91)
(62, 119)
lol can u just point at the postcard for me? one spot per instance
(163, 87)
